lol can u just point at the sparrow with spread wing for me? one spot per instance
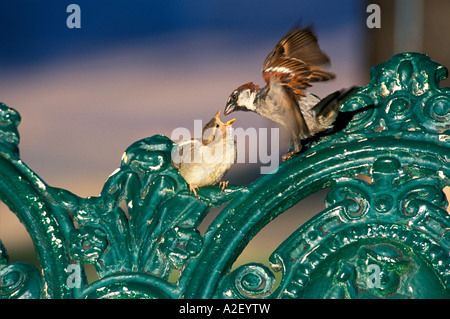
(288, 71)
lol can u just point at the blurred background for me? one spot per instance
(139, 68)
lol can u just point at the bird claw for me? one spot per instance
(288, 155)
(193, 188)
(223, 185)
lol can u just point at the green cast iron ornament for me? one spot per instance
(383, 236)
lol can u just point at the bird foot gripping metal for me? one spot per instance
(384, 236)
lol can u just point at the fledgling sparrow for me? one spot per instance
(288, 70)
(205, 162)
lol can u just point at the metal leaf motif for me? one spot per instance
(382, 236)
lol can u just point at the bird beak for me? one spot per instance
(229, 122)
(229, 108)
(224, 124)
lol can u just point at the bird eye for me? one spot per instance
(234, 97)
(217, 125)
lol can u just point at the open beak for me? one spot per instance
(229, 122)
(229, 108)
(224, 124)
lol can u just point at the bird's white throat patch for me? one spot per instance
(247, 99)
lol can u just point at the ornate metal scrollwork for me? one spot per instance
(18, 280)
(393, 232)
(384, 236)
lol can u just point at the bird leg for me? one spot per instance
(223, 185)
(193, 188)
(297, 149)
(288, 155)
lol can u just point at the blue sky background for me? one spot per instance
(36, 32)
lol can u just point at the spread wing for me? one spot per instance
(294, 61)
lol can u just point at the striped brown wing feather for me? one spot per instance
(293, 61)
